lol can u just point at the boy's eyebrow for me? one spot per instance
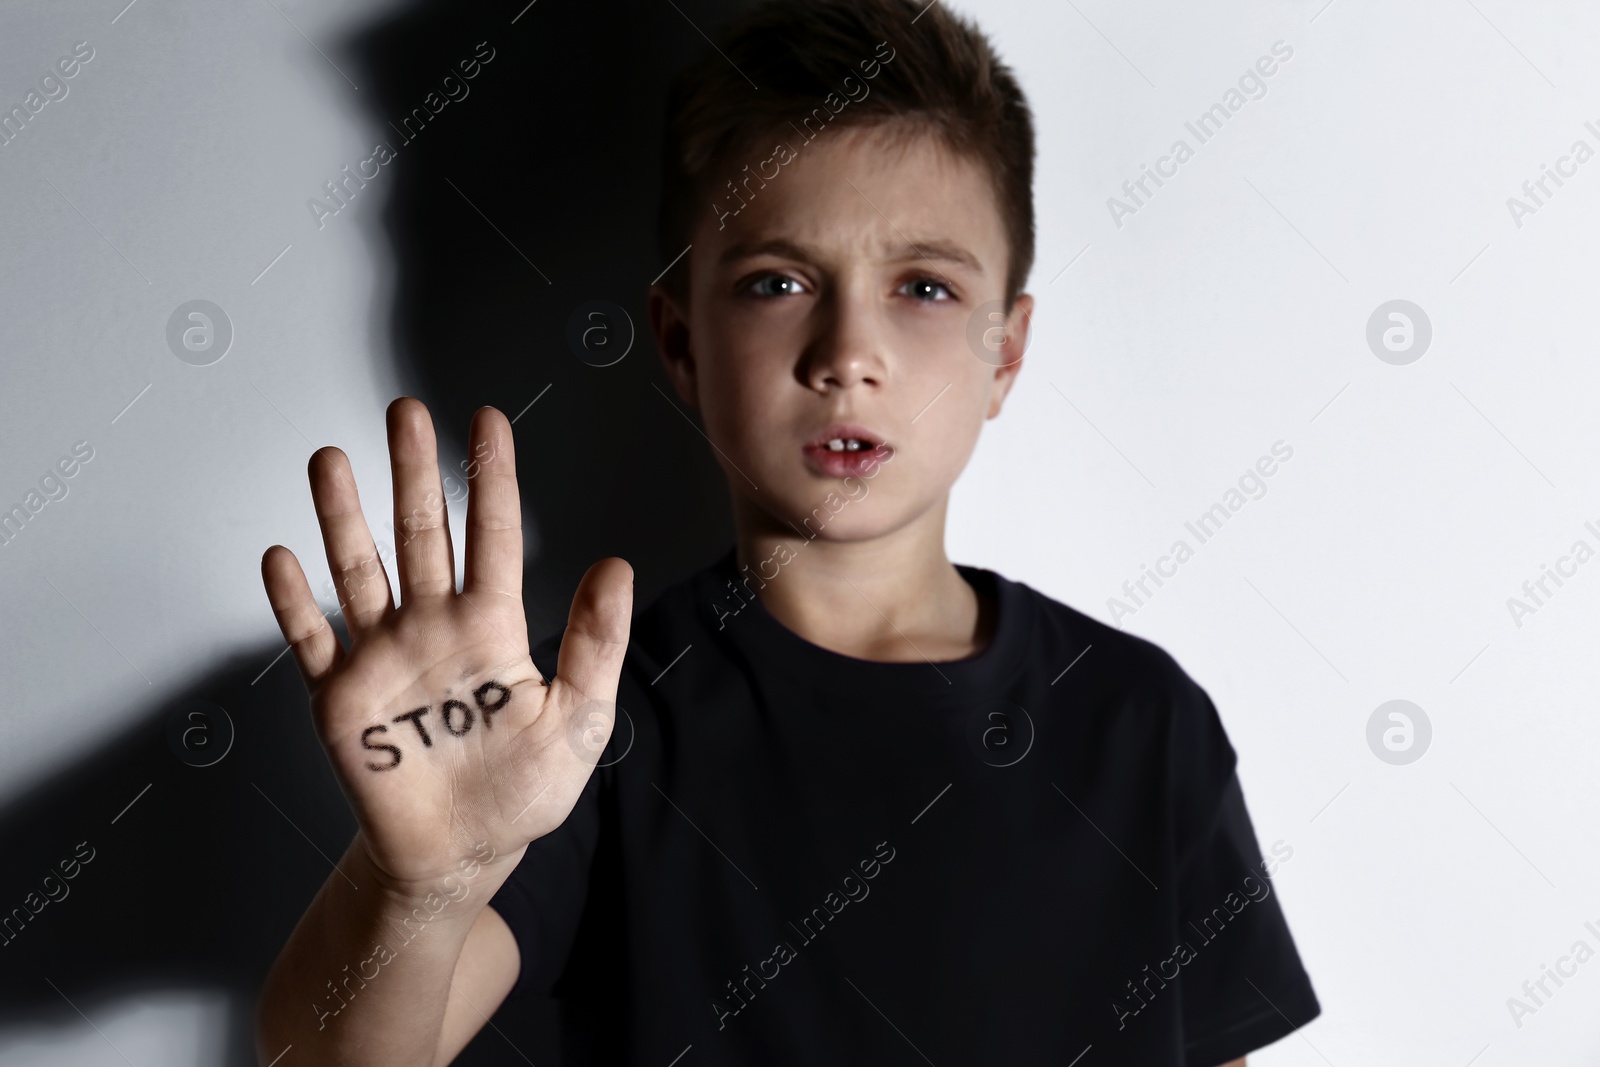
(929, 248)
(937, 248)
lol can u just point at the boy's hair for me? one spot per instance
(787, 70)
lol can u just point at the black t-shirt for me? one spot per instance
(791, 856)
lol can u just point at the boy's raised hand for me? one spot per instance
(439, 726)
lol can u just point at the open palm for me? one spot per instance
(439, 726)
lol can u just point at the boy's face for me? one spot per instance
(846, 291)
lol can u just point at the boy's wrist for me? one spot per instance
(456, 894)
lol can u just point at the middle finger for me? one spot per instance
(421, 520)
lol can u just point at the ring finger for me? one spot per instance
(359, 577)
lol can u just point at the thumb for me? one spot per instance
(596, 638)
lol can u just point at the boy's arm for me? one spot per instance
(452, 748)
(349, 987)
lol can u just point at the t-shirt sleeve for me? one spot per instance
(1243, 985)
(543, 899)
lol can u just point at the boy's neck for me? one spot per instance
(894, 599)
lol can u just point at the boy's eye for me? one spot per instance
(775, 285)
(923, 289)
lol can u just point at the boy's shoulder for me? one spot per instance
(1135, 665)
(1137, 689)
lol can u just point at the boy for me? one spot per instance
(863, 805)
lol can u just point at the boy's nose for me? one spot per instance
(849, 351)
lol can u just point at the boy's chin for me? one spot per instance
(828, 518)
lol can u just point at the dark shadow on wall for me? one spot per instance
(134, 873)
(151, 875)
(519, 201)
(530, 195)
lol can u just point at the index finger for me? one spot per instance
(494, 509)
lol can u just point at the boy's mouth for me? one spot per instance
(845, 449)
(845, 437)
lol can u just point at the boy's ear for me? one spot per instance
(670, 325)
(1018, 325)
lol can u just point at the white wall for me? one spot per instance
(1227, 313)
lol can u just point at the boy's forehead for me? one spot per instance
(859, 192)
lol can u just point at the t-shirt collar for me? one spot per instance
(734, 612)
